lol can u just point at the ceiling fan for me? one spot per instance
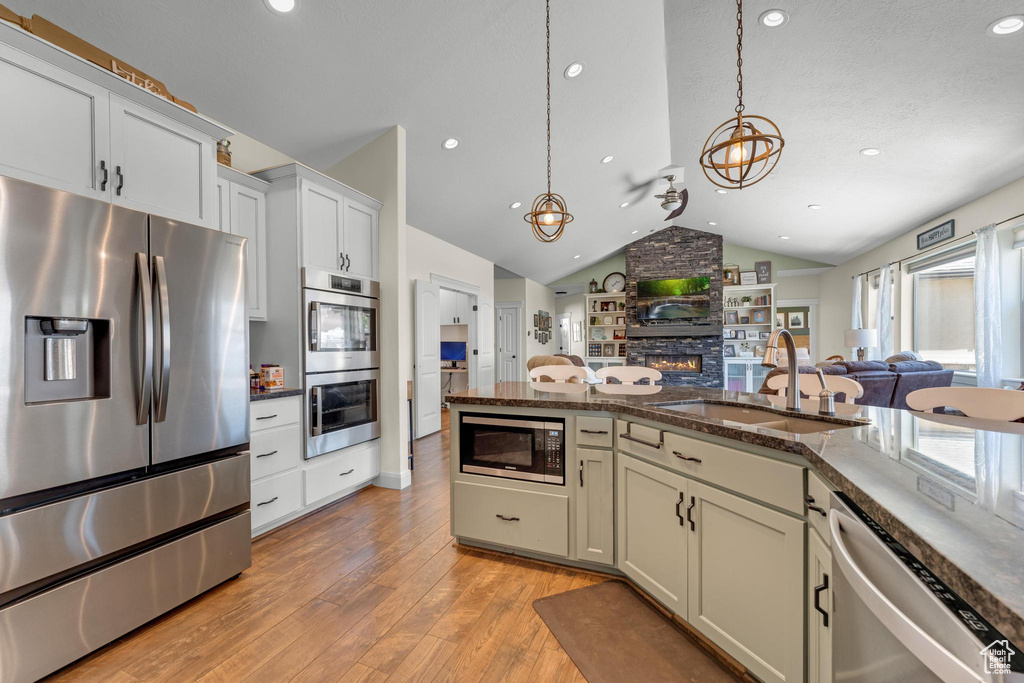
(673, 200)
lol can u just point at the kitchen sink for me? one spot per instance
(759, 418)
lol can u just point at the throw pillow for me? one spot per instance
(904, 355)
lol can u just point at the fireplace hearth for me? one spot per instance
(688, 364)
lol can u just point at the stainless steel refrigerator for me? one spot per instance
(124, 421)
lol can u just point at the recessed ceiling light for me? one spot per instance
(623, 205)
(607, 159)
(280, 6)
(783, 237)
(1007, 25)
(871, 151)
(574, 70)
(450, 143)
(722, 191)
(515, 205)
(774, 18)
(814, 206)
(634, 232)
(576, 256)
(712, 223)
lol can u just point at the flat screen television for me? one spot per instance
(453, 350)
(681, 298)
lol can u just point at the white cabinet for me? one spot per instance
(819, 610)
(65, 129)
(242, 210)
(595, 518)
(338, 232)
(745, 374)
(461, 308)
(447, 305)
(652, 541)
(746, 579)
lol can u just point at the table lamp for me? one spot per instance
(862, 340)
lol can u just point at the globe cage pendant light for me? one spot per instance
(745, 149)
(548, 215)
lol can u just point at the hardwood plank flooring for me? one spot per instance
(371, 588)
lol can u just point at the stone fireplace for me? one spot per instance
(684, 364)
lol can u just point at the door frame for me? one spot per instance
(517, 306)
(567, 317)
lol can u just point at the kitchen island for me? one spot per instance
(916, 474)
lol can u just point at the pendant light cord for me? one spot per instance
(739, 56)
(547, 27)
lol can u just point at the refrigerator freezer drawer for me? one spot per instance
(43, 633)
(82, 529)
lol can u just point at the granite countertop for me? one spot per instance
(916, 474)
(274, 393)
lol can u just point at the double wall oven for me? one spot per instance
(342, 360)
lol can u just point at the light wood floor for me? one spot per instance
(369, 589)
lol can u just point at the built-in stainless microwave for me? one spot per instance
(529, 448)
(342, 326)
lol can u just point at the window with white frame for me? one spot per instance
(944, 310)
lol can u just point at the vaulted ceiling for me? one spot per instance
(922, 81)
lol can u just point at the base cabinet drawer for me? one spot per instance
(276, 497)
(510, 517)
(638, 439)
(274, 450)
(594, 431)
(819, 498)
(342, 472)
(275, 412)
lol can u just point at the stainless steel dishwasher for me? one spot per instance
(895, 621)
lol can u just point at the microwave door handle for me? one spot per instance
(314, 326)
(145, 320)
(318, 414)
(162, 385)
(930, 652)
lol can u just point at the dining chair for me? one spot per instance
(981, 402)
(628, 374)
(811, 387)
(558, 373)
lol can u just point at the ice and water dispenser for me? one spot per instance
(66, 359)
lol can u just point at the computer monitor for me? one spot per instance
(453, 350)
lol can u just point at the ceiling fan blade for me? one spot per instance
(641, 187)
(684, 197)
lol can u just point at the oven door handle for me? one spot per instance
(314, 326)
(318, 414)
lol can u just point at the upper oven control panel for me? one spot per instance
(332, 281)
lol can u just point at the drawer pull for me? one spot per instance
(507, 519)
(267, 502)
(267, 417)
(349, 472)
(812, 506)
(266, 455)
(593, 431)
(629, 437)
(686, 457)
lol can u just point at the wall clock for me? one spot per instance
(615, 282)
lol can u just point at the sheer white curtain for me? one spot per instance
(988, 333)
(883, 320)
(856, 313)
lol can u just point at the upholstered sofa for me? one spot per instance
(885, 384)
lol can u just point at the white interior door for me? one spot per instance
(484, 347)
(427, 373)
(508, 344)
(564, 333)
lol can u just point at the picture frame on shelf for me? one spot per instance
(730, 274)
(741, 334)
(759, 316)
(608, 351)
(780, 320)
(619, 334)
(594, 350)
(620, 320)
(764, 272)
(536, 320)
(796, 320)
(622, 350)
(760, 350)
(732, 318)
(748, 277)
(765, 336)
(744, 320)
(729, 334)
(729, 351)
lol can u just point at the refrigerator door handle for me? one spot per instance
(145, 293)
(162, 379)
(928, 651)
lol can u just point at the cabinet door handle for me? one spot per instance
(266, 455)
(267, 417)
(812, 506)
(267, 502)
(581, 474)
(682, 522)
(348, 263)
(106, 175)
(817, 603)
(689, 513)
(507, 519)
(591, 431)
(686, 457)
(120, 180)
(629, 437)
(349, 472)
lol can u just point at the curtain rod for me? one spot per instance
(940, 246)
